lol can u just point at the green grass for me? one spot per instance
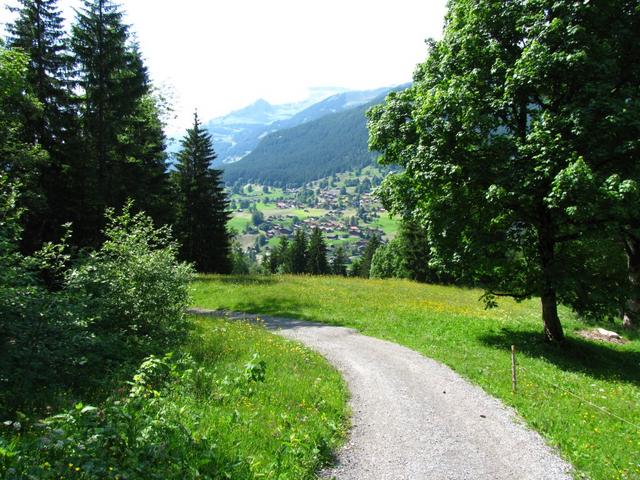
(289, 425)
(450, 325)
(389, 226)
(239, 221)
(234, 402)
(301, 213)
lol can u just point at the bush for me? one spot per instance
(133, 287)
(139, 436)
(112, 308)
(388, 262)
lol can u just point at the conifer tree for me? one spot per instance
(203, 205)
(110, 85)
(279, 260)
(338, 265)
(121, 129)
(367, 257)
(414, 249)
(317, 257)
(38, 31)
(298, 253)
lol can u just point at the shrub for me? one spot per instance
(388, 262)
(113, 307)
(133, 287)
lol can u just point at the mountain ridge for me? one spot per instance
(333, 143)
(236, 134)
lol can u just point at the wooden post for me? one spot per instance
(514, 383)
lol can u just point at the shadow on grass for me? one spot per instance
(595, 359)
(238, 279)
(276, 307)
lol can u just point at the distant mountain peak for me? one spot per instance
(238, 133)
(261, 102)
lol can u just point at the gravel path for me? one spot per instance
(414, 418)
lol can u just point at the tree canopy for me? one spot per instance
(521, 125)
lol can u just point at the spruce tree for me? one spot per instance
(203, 205)
(367, 257)
(299, 248)
(338, 265)
(38, 31)
(279, 260)
(414, 249)
(317, 256)
(110, 88)
(122, 132)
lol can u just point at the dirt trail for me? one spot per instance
(414, 418)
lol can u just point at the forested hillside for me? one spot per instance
(236, 135)
(331, 144)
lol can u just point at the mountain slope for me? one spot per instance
(319, 148)
(236, 135)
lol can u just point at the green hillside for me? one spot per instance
(563, 393)
(320, 148)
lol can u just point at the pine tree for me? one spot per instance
(414, 247)
(203, 209)
(279, 260)
(367, 257)
(144, 174)
(317, 257)
(298, 253)
(338, 265)
(38, 31)
(121, 129)
(106, 77)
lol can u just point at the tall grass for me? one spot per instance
(289, 424)
(236, 402)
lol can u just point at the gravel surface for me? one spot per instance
(414, 418)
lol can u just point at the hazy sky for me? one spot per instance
(218, 56)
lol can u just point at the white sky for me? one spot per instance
(218, 56)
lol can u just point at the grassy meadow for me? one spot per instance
(556, 387)
(234, 402)
(288, 425)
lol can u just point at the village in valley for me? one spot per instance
(342, 206)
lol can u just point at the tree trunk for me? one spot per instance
(548, 295)
(552, 326)
(632, 308)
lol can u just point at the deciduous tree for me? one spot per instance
(520, 126)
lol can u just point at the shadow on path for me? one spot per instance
(271, 322)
